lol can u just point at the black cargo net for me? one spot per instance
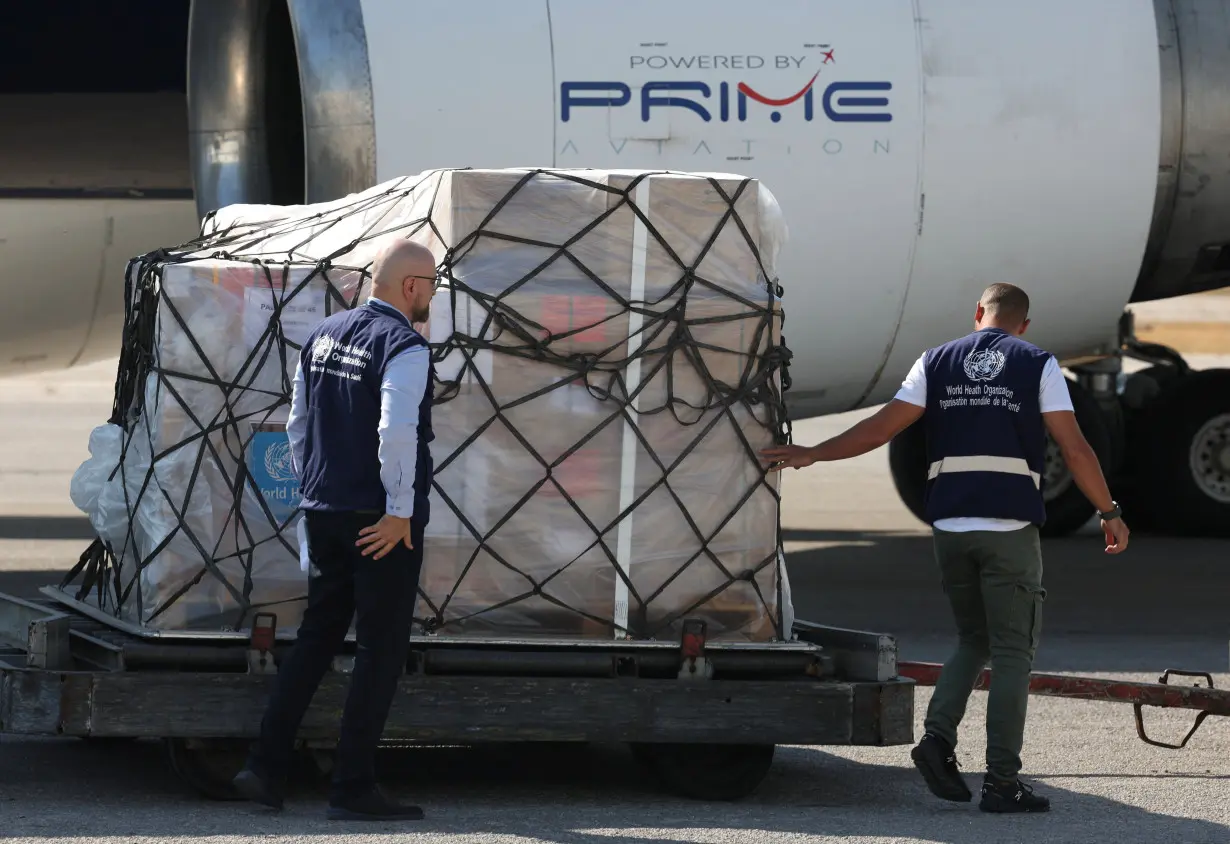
(114, 573)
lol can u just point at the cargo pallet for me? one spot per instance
(704, 717)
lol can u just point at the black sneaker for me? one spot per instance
(1010, 796)
(251, 786)
(937, 762)
(372, 806)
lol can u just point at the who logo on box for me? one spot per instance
(271, 467)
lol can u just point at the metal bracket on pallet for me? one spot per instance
(260, 644)
(692, 645)
(858, 655)
(41, 632)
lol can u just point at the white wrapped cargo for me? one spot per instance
(609, 361)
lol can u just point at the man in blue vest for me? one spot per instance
(359, 429)
(989, 399)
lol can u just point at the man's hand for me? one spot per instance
(788, 457)
(382, 537)
(1116, 532)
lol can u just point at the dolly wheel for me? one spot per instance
(707, 771)
(207, 766)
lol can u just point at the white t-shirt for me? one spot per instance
(1052, 396)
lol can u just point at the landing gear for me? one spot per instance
(1180, 457)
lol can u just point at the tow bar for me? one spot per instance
(1205, 699)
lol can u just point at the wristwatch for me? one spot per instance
(1114, 512)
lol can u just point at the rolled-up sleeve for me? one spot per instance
(402, 388)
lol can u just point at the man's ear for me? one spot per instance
(979, 312)
(1024, 325)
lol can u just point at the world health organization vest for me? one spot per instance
(343, 361)
(986, 441)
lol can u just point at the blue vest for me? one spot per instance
(343, 362)
(986, 441)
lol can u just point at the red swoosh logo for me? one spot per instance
(761, 98)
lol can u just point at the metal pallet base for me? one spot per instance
(58, 632)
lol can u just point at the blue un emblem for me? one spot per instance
(269, 461)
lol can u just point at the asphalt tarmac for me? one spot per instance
(857, 558)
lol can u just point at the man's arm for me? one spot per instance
(1080, 457)
(401, 392)
(1060, 419)
(1086, 471)
(867, 435)
(296, 422)
(874, 431)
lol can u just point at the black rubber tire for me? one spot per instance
(206, 769)
(707, 771)
(1165, 486)
(907, 460)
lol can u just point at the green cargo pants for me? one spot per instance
(994, 582)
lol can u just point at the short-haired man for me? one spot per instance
(989, 399)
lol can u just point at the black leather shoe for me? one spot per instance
(257, 789)
(1004, 797)
(937, 762)
(372, 806)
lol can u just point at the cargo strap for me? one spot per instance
(667, 331)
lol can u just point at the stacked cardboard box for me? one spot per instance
(199, 509)
(545, 543)
(593, 421)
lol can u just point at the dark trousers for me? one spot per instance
(379, 595)
(994, 583)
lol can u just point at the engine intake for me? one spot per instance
(279, 102)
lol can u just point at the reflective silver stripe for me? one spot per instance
(983, 463)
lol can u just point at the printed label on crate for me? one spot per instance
(269, 461)
(299, 314)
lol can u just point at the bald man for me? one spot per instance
(359, 429)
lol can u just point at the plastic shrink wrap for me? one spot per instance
(609, 361)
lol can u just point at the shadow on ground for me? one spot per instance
(1159, 605)
(596, 795)
(1159, 585)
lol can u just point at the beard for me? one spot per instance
(421, 314)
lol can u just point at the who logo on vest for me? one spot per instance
(321, 348)
(984, 365)
(986, 439)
